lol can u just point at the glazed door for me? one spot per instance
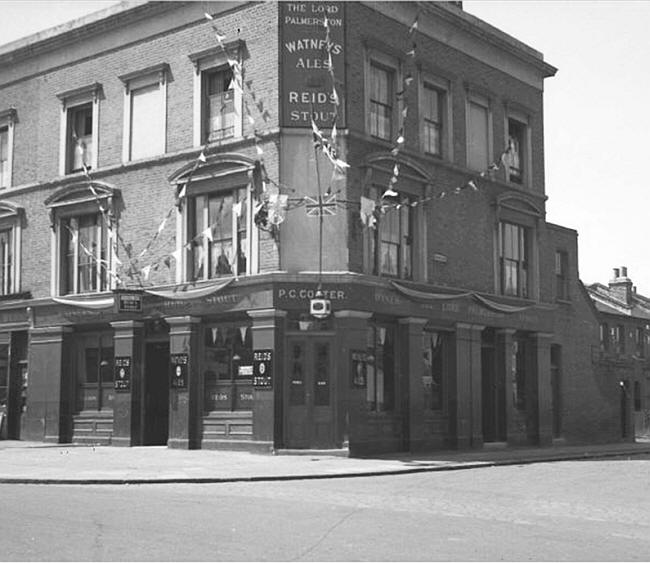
(309, 393)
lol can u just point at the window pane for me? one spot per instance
(219, 105)
(321, 374)
(381, 102)
(147, 122)
(515, 148)
(80, 137)
(221, 248)
(478, 137)
(296, 374)
(6, 262)
(4, 157)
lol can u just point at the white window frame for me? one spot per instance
(391, 63)
(8, 119)
(213, 184)
(211, 60)
(69, 100)
(77, 201)
(158, 74)
(442, 86)
(484, 101)
(523, 120)
(11, 218)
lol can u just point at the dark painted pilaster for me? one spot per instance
(268, 334)
(184, 409)
(127, 340)
(50, 398)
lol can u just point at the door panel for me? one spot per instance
(310, 416)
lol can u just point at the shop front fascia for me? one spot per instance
(259, 372)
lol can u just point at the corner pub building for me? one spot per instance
(168, 225)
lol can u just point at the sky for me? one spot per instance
(596, 113)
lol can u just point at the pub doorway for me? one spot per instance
(156, 394)
(492, 390)
(309, 394)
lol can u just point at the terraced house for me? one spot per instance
(287, 225)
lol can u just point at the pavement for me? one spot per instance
(39, 463)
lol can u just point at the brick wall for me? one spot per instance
(147, 195)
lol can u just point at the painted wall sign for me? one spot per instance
(179, 370)
(129, 302)
(305, 63)
(263, 369)
(122, 373)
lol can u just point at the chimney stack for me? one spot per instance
(621, 285)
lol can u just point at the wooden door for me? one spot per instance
(310, 397)
(156, 394)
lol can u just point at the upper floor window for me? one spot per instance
(561, 275)
(604, 337)
(435, 130)
(517, 159)
(217, 96)
(617, 338)
(640, 342)
(7, 120)
(79, 128)
(84, 252)
(514, 259)
(11, 218)
(217, 225)
(381, 101)
(382, 112)
(145, 112)
(218, 237)
(479, 127)
(391, 241)
(82, 258)
(432, 118)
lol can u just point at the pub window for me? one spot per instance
(219, 227)
(95, 388)
(391, 248)
(80, 138)
(381, 101)
(517, 147)
(11, 218)
(218, 111)
(640, 342)
(218, 101)
(145, 113)
(561, 275)
(79, 129)
(618, 338)
(228, 367)
(514, 259)
(7, 123)
(478, 128)
(380, 390)
(83, 246)
(434, 367)
(604, 337)
(5, 177)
